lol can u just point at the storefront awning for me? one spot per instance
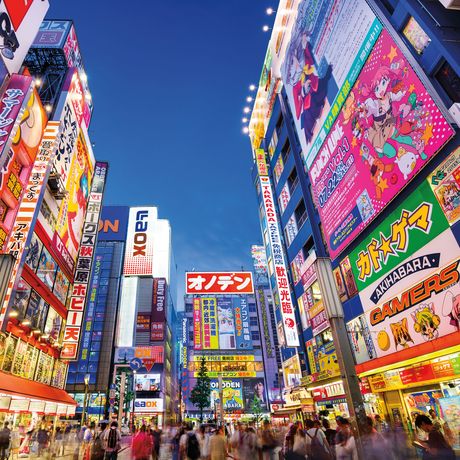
(287, 410)
(17, 386)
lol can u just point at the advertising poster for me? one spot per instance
(159, 299)
(445, 183)
(73, 208)
(284, 198)
(419, 314)
(340, 284)
(33, 254)
(61, 286)
(21, 297)
(384, 151)
(292, 372)
(360, 340)
(148, 382)
(348, 277)
(209, 323)
(227, 339)
(233, 394)
(53, 323)
(291, 230)
(329, 42)
(47, 267)
(259, 259)
(254, 389)
(450, 413)
(242, 326)
(197, 337)
(322, 357)
(318, 318)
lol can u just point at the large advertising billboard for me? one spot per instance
(114, 223)
(20, 22)
(197, 335)
(259, 259)
(329, 42)
(254, 389)
(388, 129)
(282, 283)
(226, 323)
(219, 283)
(209, 323)
(139, 242)
(242, 325)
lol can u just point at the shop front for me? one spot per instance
(330, 401)
(149, 411)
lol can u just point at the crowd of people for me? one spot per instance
(311, 439)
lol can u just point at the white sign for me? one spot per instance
(148, 405)
(37, 406)
(139, 242)
(19, 405)
(282, 281)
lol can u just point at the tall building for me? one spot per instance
(354, 135)
(51, 196)
(221, 324)
(145, 355)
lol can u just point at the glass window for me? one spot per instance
(10, 348)
(252, 307)
(61, 285)
(449, 80)
(33, 254)
(47, 267)
(255, 335)
(416, 36)
(53, 323)
(21, 297)
(98, 326)
(96, 345)
(36, 311)
(94, 356)
(253, 321)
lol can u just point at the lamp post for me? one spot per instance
(83, 418)
(134, 400)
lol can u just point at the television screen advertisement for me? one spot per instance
(384, 151)
(226, 317)
(254, 389)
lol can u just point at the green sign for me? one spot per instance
(411, 226)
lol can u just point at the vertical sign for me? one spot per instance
(31, 201)
(242, 326)
(282, 282)
(226, 323)
(197, 344)
(209, 321)
(158, 309)
(84, 264)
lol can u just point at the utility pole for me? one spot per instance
(346, 362)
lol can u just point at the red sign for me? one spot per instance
(157, 330)
(17, 11)
(159, 299)
(62, 253)
(219, 283)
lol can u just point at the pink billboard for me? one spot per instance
(388, 129)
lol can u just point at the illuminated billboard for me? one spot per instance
(386, 152)
(20, 22)
(139, 242)
(226, 323)
(114, 223)
(219, 283)
(209, 323)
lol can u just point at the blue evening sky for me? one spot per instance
(169, 81)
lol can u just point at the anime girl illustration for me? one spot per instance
(300, 72)
(451, 308)
(401, 334)
(426, 321)
(379, 108)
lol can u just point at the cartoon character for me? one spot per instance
(385, 89)
(406, 161)
(377, 168)
(365, 207)
(449, 195)
(426, 321)
(308, 88)
(401, 334)
(451, 308)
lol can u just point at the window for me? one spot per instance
(307, 248)
(255, 335)
(286, 150)
(189, 307)
(449, 80)
(416, 36)
(46, 270)
(293, 180)
(252, 307)
(300, 214)
(253, 322)
(279, 123)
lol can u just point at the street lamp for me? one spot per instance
(134, 400)
(83, 419)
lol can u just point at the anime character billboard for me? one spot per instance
(388, 129)
(328, 46)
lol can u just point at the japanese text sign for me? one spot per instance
(262, 167)
(159, 299)
(197, 342)
(388, 129)
(84, 264)
(282, 282)
(209, 323)
(219, 283)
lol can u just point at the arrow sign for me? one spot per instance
(135, 364)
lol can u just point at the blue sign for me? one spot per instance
(135, 364)
(242, 326)
(113, 225)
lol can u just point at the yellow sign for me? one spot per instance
(262, 167)
(225, 358)
(229, 374)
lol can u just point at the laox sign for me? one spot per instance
(140, 235)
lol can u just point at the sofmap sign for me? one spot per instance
(139, 242)
(363, 143)
(19, 22)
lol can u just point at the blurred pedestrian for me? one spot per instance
(300, 443)
(329, 433)
(380, 425)
(5, 439)
(141, 447)
(43, 439)
(156, 438)
(345, 443)
(111, 439)
(436, 447)
(268, 442)
(218, 445)
(317, 445)
(288, 445)
(373, 443)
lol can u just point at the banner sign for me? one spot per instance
(143, 405)
(209, 321)
(232, 394)
(445, 183)
(151, 353)
(226, 323)
(229, 374)
(143, 322)
(31, 200)
(361, 340)
(159, 299)
(412, 225)
(265, 318)
(80, 289)
(157, 330)
(224, 358)
(262, 167)
(254, 389)
(322, 359)
(259, 259)
(242, 326)
(282, 282)
(139, 242)
(419, 314)
(219, 283)
(197, 343)
(384, 151)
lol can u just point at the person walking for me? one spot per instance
(43, 439)
(436, 447)
(268, 442)
(156, 439)
(317, 445)
(218, 445)
(345, 444)
(142, 444)
(111, 439)
(5, 439)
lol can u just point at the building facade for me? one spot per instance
(356, 185)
